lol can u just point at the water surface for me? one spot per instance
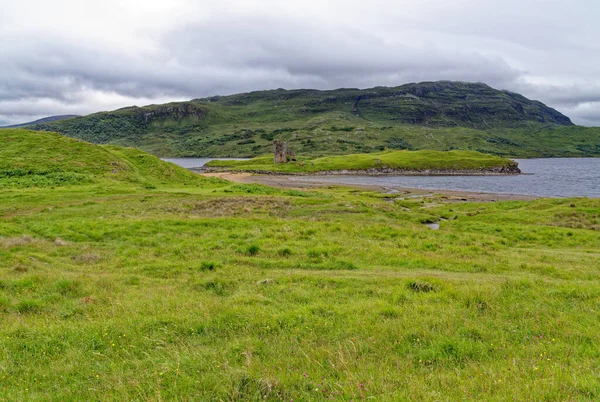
(554, 177)
(190, 163)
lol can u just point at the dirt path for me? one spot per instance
(282, 181)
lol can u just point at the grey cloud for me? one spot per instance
(569, 95)
(580, 102)
(587, 114)
(214, 59)
(229, 53)
(345, 57)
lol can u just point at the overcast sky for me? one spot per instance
(83, 56)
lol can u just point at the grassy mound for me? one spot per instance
(417, 161)
(40, 159)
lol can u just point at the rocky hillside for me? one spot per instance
(443, 103)
(433, 115)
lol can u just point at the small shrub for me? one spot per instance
(422, 286)
(315, 254)
(284, 252)
(218, 287)
(208, 266)
(253, 249)
(267, 136)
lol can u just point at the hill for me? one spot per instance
(430, 115)
(41, 159)
(49, 119)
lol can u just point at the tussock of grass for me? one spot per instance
(423, 286)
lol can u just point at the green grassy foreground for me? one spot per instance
(214, 291)
(398, 160)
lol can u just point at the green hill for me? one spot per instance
(429, 115)
(42, 159)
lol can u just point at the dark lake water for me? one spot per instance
(555, 177)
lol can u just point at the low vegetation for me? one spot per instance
(410, 161)
(110, 290)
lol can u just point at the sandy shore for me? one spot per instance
(296, 182)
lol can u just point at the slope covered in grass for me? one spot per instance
(34, 159)
(383, 162)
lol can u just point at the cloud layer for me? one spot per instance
(75, 57)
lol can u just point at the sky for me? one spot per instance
(83, 56)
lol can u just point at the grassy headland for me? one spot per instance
(430, 115)
(110, 290)
(41, 159)
(415, 162)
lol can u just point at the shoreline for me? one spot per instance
(296, 182)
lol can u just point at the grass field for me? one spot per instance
(414, 161)
(208, 290)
